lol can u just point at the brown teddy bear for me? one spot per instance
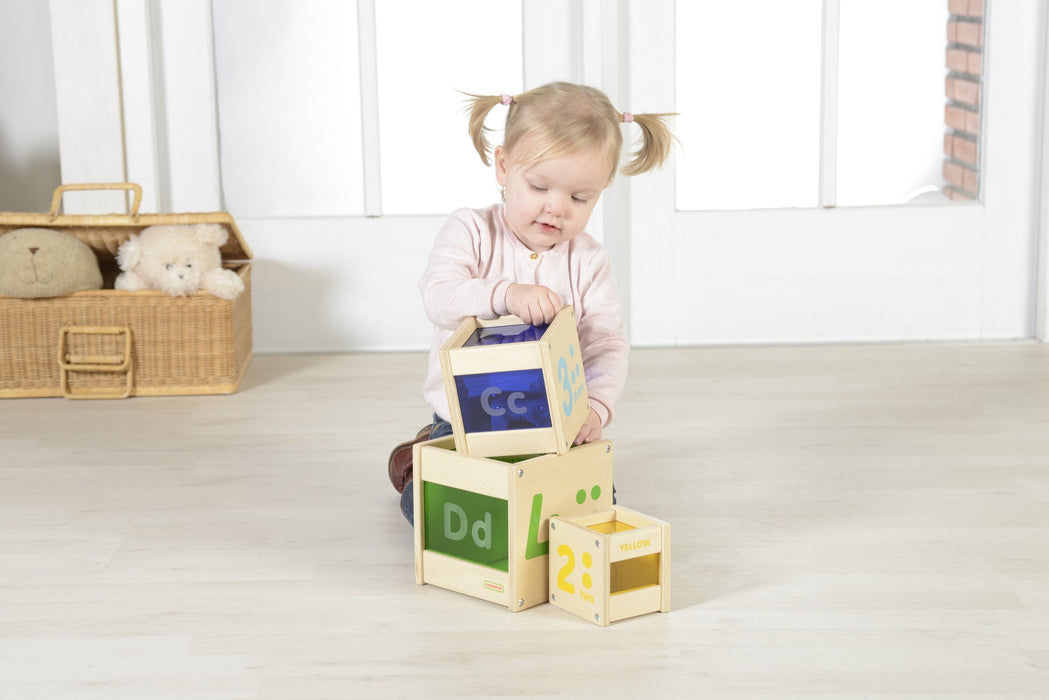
(40, 262)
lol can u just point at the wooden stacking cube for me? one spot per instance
(610, 565)
(513, 388)
(481, 524)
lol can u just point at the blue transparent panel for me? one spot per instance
(466, 525)
(498, 335)
(513, 400)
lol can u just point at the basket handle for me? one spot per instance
(56, 199)
(113, 364)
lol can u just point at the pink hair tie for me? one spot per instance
(628, 117)
(507, 99)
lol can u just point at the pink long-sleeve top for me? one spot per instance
(476, 257)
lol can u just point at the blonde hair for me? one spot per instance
(560, 118)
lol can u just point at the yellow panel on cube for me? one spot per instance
(610, 565)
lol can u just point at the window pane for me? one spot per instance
(748, 93)
(890, 100)
(429, 164)
(289, 107)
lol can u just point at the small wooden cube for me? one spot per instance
(481, 524)
(609, 565)
(513, 388)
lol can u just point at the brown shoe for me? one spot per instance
(401, 460)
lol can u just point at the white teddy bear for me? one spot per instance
(179, 260)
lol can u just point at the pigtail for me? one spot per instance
(656, 142)
(478, 107)
(559, 118)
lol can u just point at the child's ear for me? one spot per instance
(499, 156)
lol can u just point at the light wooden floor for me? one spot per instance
(848, 522)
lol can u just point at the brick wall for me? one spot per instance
(961, 142)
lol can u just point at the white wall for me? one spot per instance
(1042, 314)
(342, 283)
(29, 156)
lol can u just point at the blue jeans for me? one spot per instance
(440, 428)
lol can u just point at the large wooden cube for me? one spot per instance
(481, 524)
(610, 565)
(513, 388)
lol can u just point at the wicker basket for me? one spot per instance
(109, 343)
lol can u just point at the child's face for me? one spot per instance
(551, 201)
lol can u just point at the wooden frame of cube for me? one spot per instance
(557, 353)
(533, 488)
(610, 565)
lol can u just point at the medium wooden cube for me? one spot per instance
(513, 388)
(481, 524)
(609, 565)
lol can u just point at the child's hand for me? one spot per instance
(532, 303)
(591, 429)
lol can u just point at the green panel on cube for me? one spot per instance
(466, 525)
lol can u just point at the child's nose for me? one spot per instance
(555, 204)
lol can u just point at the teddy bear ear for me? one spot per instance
(129, 254)
(211, 233)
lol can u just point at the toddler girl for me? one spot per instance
(529, 255)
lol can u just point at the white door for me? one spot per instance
(331, 130)
(337, 242)
(844, 273)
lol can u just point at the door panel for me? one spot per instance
(778, 275)
(864, 273)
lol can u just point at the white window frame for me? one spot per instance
(156, 123)
(1042, 321)
(121, 125)
(727, 277)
